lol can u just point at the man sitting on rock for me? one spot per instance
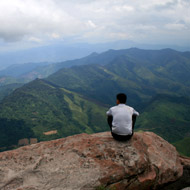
(121, 119)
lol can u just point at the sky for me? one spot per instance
(30, 23)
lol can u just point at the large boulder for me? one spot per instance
(85, 162)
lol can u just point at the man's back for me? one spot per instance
(122, 119)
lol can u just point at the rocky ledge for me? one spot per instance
(87, 162)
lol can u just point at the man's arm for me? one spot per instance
(109, 120)
(134, 116)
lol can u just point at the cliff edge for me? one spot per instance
(87, 162)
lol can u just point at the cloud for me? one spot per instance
(166, 5)
(93, 21)
(34, 39)
(91, 24)
(175, 26)
(37, 18)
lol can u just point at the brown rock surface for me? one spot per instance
(84, 162)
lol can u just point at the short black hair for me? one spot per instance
(122, 98)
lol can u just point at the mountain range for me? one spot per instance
(140, 73)
(67, 50)
(74, 98)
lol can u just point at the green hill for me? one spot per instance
(7, 89)
(183, 146)
(6, 80)
(44, 107)
(167, 116)
(11, 131)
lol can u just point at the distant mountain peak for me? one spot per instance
(94, 54)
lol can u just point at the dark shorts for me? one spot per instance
(121, 137)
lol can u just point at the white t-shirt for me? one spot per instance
(122, 119)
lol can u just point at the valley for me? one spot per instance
(72, 97)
